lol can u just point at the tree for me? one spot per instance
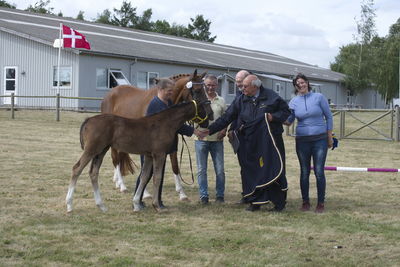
(125, 16)
(199, 29)
(104, 17)
(41, 7)
(143, 22)
(4, 3)
(162, 26)
(80, 15)
(388, 59)
(356, 60)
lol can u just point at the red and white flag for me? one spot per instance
(74, 39)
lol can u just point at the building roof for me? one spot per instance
(125, 42)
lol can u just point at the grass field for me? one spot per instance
(361, 225)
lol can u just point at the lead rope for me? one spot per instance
(190, 161)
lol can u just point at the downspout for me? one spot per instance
(130, 70)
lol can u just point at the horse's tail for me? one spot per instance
(126, 164)
(80, 133)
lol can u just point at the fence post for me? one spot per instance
(397, 127)
(342, 124)
(58, 107)
(12, 106)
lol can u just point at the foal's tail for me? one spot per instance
(126, 164)
(80, 133)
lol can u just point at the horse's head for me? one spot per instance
(195, 91)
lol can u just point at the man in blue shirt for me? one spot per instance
(159, 103)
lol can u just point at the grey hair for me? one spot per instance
(211, 77)
(164, 83)
(256, 82)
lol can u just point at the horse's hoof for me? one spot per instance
(102, 207)
(69, 208)
(183, 197)
(124, 190)
(160, 209)
(138, 207)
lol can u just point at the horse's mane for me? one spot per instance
(179, 76)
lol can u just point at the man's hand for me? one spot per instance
(201, 134)
(230, 136)
(221, 134)
(269, 117)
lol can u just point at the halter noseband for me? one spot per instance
(196, 116)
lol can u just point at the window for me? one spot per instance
(10, 79)
(109, 78)
(117, 78)
(146, 80)
(65, 77)
(231, 87)
(101, 78)
(277, 88)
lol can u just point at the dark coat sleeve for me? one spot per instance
(186, 130)
(283, 111)
(230, 115)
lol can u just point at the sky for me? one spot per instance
(311, 31)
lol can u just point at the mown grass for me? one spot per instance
(361, 226)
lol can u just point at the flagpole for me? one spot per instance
(59, 59)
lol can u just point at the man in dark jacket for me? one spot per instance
(255, 104)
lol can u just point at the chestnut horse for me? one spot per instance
(132, 102)
(150, 136)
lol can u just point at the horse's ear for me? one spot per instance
(195, 73)
(203, 74)
(156, 80)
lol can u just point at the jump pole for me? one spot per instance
(351, 169)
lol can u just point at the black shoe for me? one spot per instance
(220, 200)
(241, 201)
(277, 208)
(204, 200)
(162, 206)
(253, 207)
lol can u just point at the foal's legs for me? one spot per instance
(158, 164)
(94, 175)
(76, 171)
(144, 178)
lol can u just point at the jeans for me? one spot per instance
(318, 151)
(216, 149)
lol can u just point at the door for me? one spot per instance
(10, 83)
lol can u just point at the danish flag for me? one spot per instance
(74, 39)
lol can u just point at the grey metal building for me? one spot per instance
(28, 63)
